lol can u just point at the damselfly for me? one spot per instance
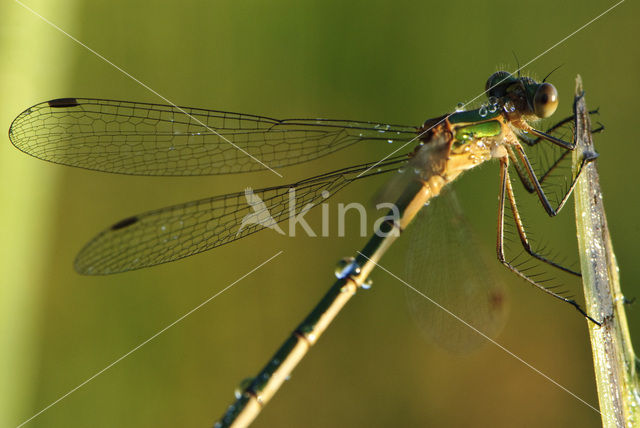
(153, 139)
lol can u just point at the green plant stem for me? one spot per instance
(613, 357)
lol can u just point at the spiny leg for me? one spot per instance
(533, 142)
(557, 162)
(518, 220)
(522, 234)
(504, 186)
(527, 182)
(588, 157)
(522, 175)
(553, 128)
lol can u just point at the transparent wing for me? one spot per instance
(445, 264)
(182, 230)
(153, 139)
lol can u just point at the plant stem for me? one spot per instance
(613, 357)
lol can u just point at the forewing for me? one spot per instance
(153, 139)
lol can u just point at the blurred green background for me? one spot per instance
(400, 62)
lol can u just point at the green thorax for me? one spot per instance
(477, 123)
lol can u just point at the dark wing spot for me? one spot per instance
(496, 300)
(63, 102)
(124, 223)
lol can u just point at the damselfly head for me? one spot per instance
(528, 96)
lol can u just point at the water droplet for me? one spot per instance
(426, 204)
(325, 194)
(389, 141)
(163, 227)
(416, 170)
(460, 107)
(360, 134)
(346, 267)
(493, 107)
(366, 285)
(508, 106)
(482, 111)
(244, 384)
(401, 170)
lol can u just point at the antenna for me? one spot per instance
(517, 62)
(545, 77)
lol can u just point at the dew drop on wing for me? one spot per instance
(125, 223)
(63, 102)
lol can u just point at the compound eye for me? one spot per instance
(545, 101)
